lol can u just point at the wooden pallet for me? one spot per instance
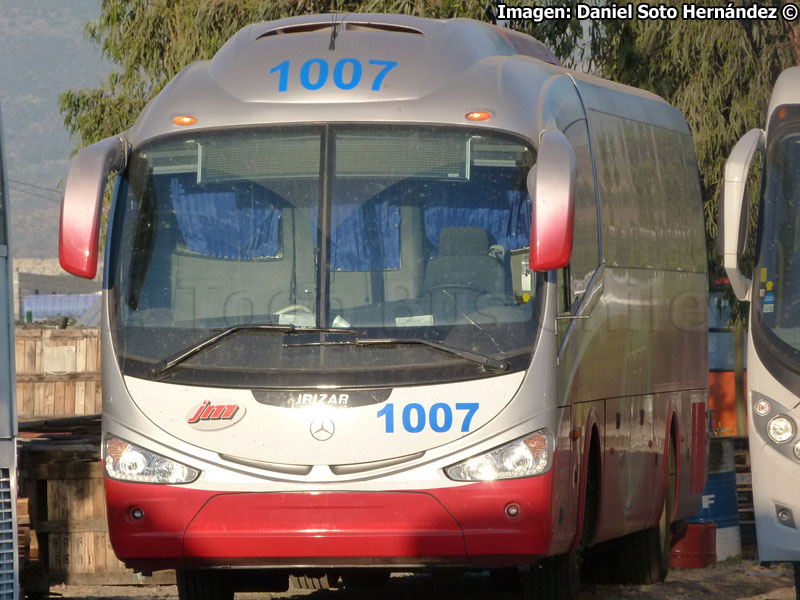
(62, 479)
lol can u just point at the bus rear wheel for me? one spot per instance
(201, 584)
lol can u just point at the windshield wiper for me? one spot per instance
(486, 362)
(168, 363)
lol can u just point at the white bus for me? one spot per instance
(384, 294)
(773, 345)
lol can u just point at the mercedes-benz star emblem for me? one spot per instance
(322, 429)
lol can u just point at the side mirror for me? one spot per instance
(551, 185)
(734, 218)
(82, 204)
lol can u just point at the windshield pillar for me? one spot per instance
(327, 159)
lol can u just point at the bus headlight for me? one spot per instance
(128, 462)
(797, 450)
(780, 429)
(525, 457)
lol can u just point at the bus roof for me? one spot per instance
(363, 67)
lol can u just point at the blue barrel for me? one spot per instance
(720, 502)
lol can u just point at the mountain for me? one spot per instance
(43, 52)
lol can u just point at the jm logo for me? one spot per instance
(211, 417)
(322, 429)
(213, 412)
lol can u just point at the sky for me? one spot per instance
(43, 52)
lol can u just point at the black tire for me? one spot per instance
(644, 555)
(553, 578)
(601, 563)
(201, 584)
(505, 579)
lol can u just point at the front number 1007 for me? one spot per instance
(347, 73)
(439, 418)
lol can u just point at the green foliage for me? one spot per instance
(564, 37)
(150, 41)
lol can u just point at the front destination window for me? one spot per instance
(344, 255)
(776, 286)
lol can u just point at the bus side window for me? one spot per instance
(585, 257)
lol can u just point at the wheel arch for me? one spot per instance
(671, 438)
(591, 463)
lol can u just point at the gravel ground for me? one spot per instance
(742, 580)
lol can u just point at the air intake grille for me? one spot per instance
(341, 25)
(7, 537)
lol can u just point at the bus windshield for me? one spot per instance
(393, 232)
(777, 285)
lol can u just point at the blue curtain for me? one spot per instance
(365, 237)
(222, 225)
(508, 223)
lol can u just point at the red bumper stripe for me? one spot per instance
(309, 526)
(466, 525)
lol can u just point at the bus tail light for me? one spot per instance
(526, 457)
(127, 462)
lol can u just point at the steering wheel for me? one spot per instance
(294, 308)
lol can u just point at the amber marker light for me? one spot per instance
(478, 115)
(184, 120)
(782, 114)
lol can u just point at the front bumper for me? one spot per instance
(466, 525)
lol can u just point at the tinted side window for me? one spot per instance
(563, 105)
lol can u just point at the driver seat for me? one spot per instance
(464, 260)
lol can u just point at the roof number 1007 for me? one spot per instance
(347, 73)
(439, 418)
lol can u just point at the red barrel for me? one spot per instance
(697, 549)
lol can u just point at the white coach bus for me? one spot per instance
(773, 346)
(384, 294)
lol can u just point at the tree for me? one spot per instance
(150, 41)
